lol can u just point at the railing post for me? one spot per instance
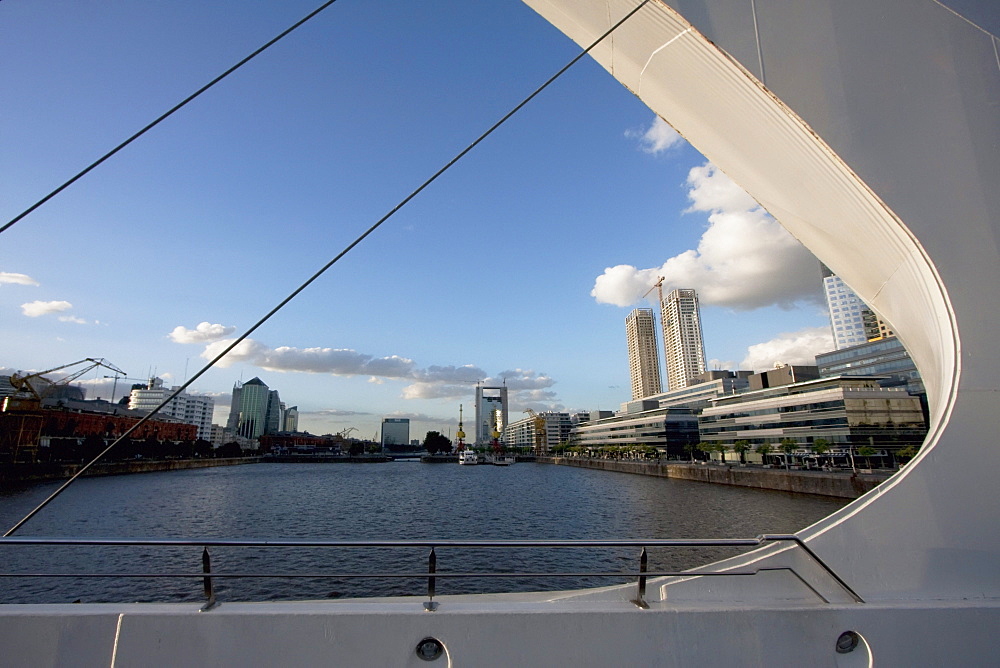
(431, 605)
(640, 596)
(206, 567)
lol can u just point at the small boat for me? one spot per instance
(503, 460)
(468, 457)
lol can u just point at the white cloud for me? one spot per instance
(336, 361)
(38, 308)
(16, 279)
(433, 382)
(799, 347)
(657, 138)
(204, 332)
(710, 190)
(72, 318)
(745, 260)
(716, 363)
(434, 390)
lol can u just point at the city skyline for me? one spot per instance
(188, 236)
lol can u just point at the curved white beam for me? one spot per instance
(871, 132)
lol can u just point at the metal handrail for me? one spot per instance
(417, 542)
(431, 574)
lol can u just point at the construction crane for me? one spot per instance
(114, 387)
(541, 439)
(659, 293)
(31, 388)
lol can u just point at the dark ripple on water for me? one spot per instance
(396, 501)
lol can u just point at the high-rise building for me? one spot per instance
(395, 431)
(643, 359)
(851, 320)
(274, 420)
(291, 422)
(491, 412)
(683, 344)
(249, 412)
(187, 408)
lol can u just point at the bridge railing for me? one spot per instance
(207, 576)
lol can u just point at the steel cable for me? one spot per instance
(325, 267)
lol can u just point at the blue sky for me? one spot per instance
(520, 263)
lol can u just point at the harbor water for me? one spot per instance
(390, 501)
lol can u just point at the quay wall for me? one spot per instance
(41, 472)
(846, 485)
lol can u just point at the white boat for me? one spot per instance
(468, 457)
(871, 131)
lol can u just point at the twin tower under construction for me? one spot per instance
(683, 343)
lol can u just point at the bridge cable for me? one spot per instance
(165, 115)
(325, 267)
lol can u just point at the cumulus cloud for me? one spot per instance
(204, 332)
(16, 279)
(657, 138)
(38, 308)
(799, 347)
(745, 260)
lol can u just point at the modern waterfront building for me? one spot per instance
(188, 408)
(851, 320)
(491, 412)
(643, 359)
(539, 432)
(667, 429)
(395, 432)
(683, 343)
(255, 410)
(699, 394)
(845, 410)
(884, 357)
(291, 419)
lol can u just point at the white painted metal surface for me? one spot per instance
(871, 131)
(872, 134)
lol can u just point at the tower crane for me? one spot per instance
(659, 293)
